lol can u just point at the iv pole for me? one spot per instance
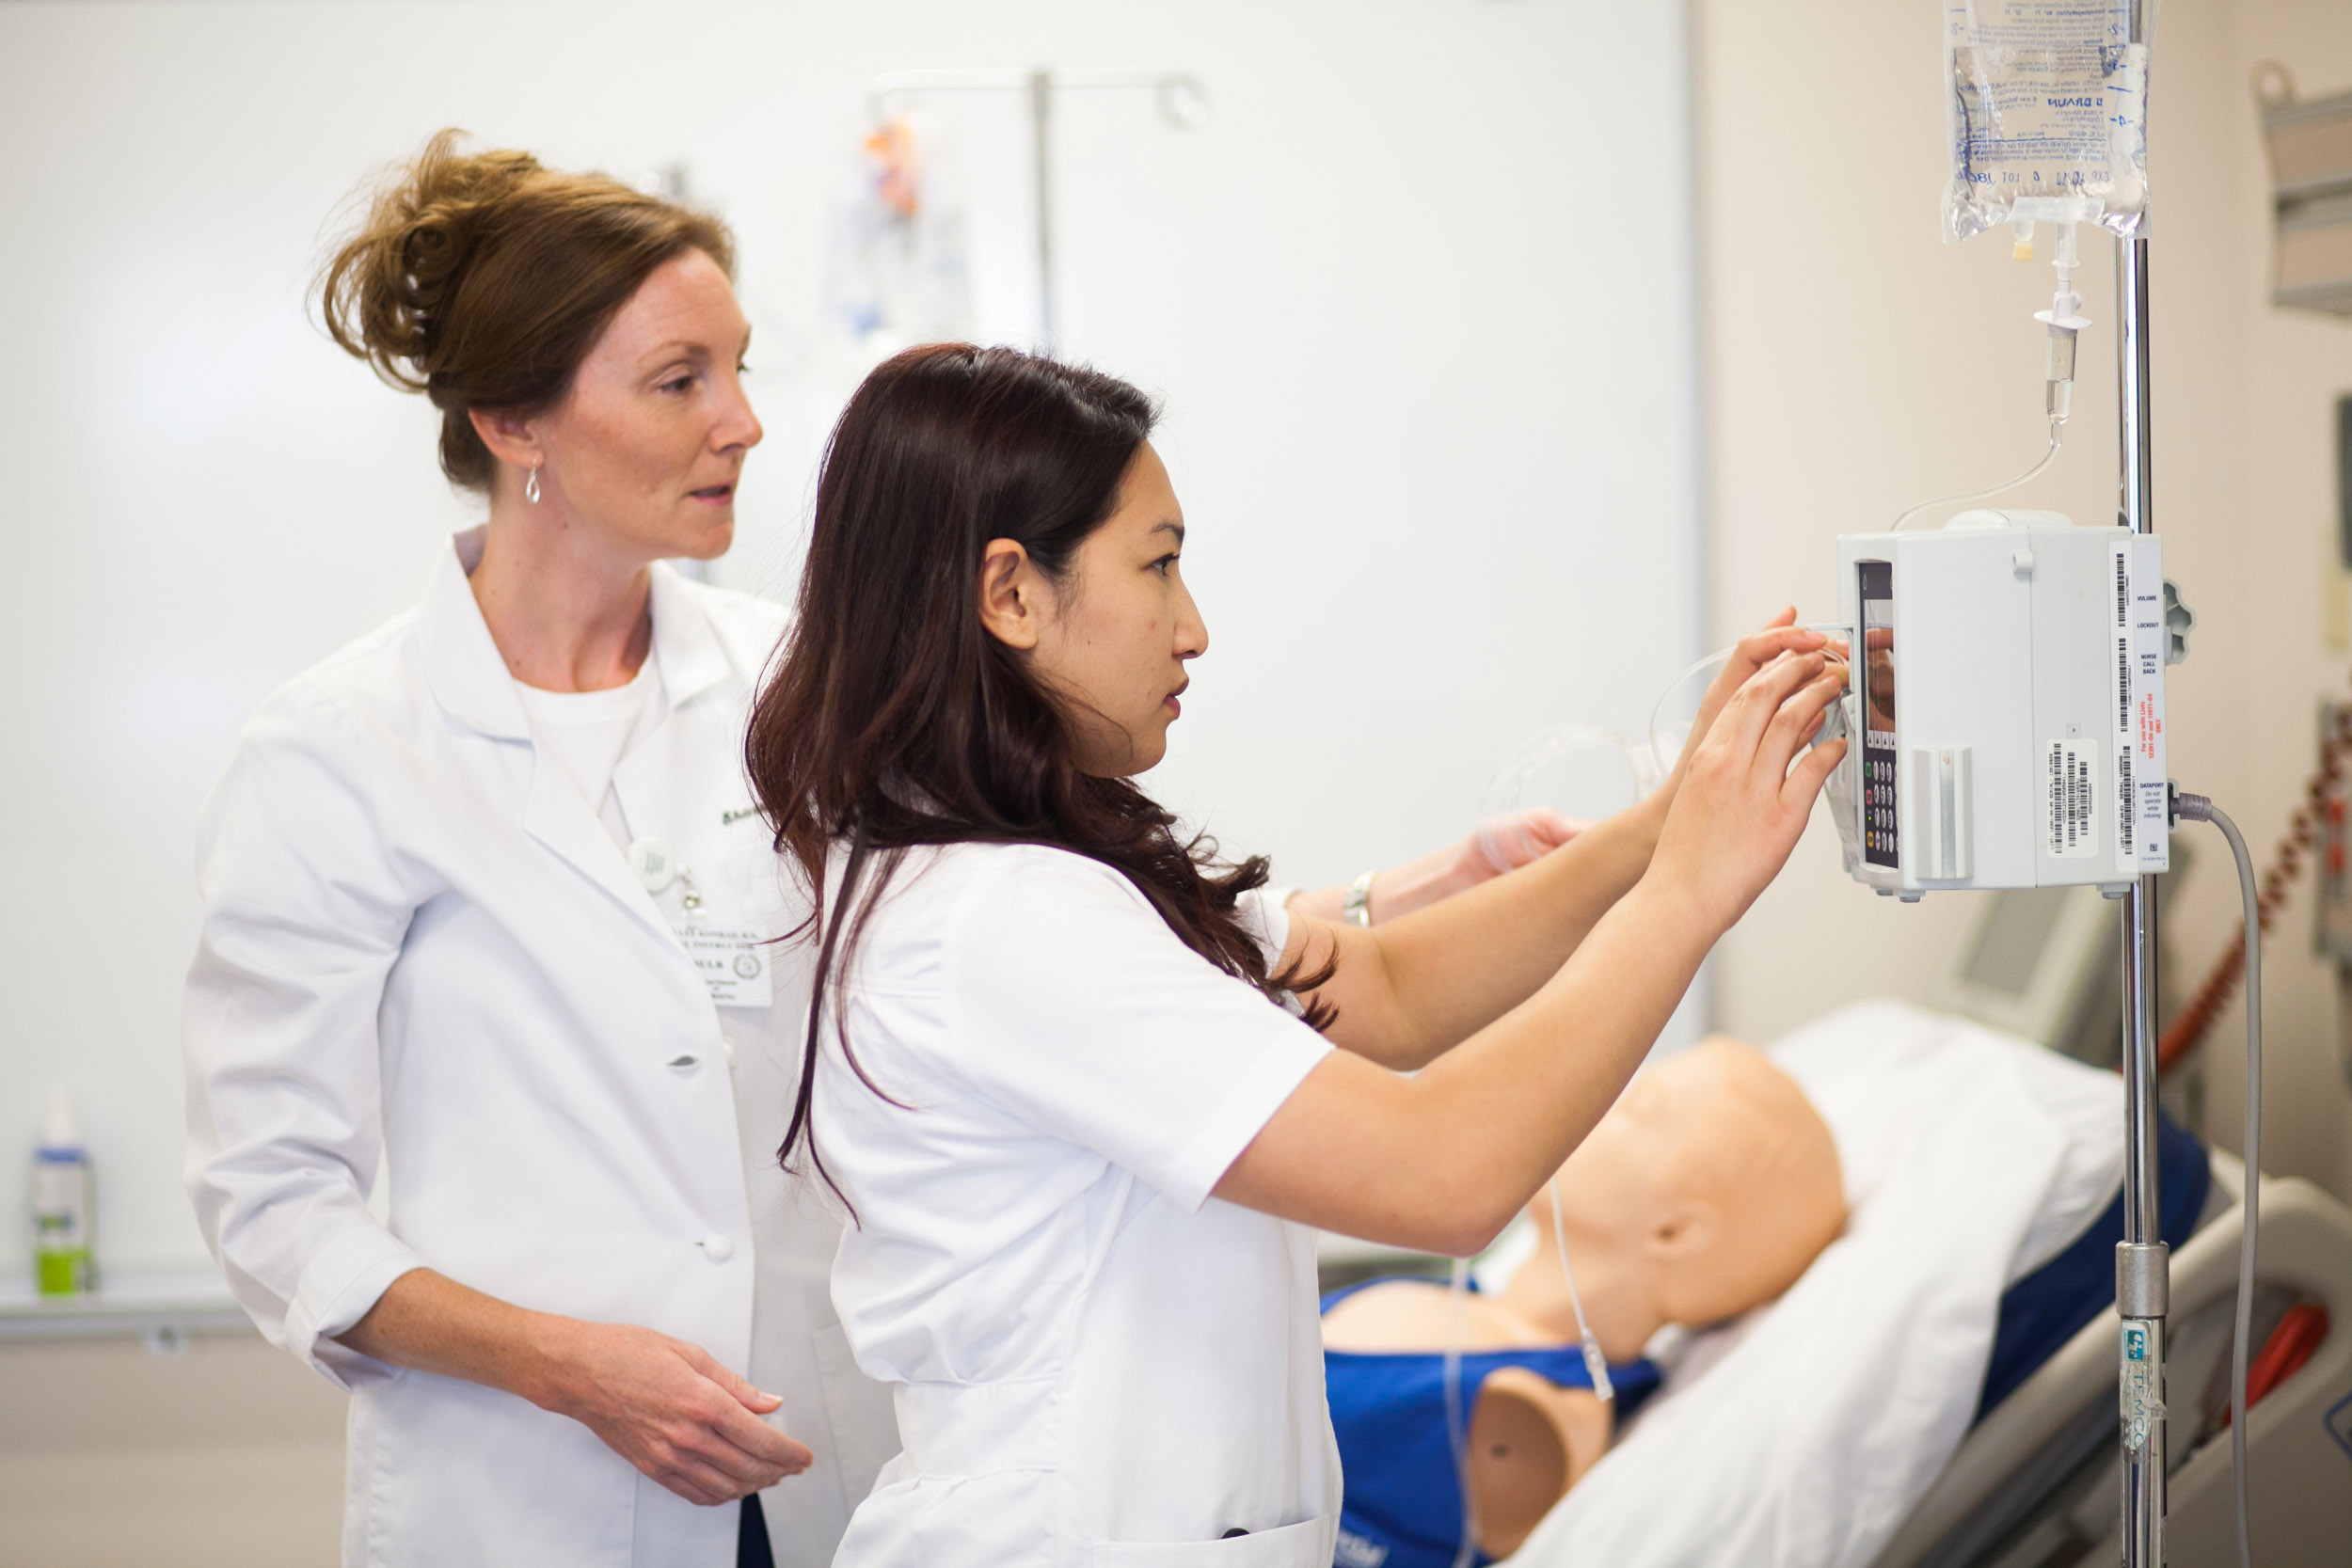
(1184, 104)
(2142, 1261)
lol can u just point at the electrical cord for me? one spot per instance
(2277, 881)
(2196, 808)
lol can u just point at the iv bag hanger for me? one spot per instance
(1182, 99)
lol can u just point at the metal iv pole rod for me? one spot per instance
(1184, 103)
(2142, 1265)
(1041, 144)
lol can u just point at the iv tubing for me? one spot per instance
(1457, 1430)
(2056, 429)
(2196, 808)
(1715, 662)
(1596, 1364)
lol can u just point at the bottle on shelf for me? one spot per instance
(61, 1205)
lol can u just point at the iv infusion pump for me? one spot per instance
(2006, 717)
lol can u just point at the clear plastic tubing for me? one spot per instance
(2058, 425)
(1716, 661)
(1457, 1420)
(1596, 1364)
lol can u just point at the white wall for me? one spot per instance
(1854, 364)
(1418, 299)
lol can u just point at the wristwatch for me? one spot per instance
(1355, 909)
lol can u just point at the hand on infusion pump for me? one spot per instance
(1779, 638)
(1745, 784)
(666, 1406)
(1707, 1190)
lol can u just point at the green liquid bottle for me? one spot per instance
(61, 1205)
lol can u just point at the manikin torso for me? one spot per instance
(1706, 1191)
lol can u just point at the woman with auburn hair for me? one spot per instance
(485, 910)
(1074, 1082)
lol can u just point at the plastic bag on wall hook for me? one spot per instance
(2046, 115)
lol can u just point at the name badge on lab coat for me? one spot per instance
(733, 962)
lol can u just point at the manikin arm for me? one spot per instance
(1522, 839)
(1529, 1441)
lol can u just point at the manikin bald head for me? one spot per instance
(1707, 1190)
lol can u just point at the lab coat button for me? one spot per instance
(717, 1247)
(681, 1063)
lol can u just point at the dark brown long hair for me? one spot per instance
(895, 719)
(481, 279)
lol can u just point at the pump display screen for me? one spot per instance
(1879, 814)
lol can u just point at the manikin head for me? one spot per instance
(1707, 1190)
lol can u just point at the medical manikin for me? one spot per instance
(1706, 1191)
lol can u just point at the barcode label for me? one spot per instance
(2071, 801)
(2122, 592)
(2124, 684)
(2124, 849)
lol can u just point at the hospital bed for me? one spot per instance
(1815, 1470)
(2034, 1484)
(1837, 1427)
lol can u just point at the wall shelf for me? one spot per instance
(162, 1308)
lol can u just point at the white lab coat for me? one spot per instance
(423, 954)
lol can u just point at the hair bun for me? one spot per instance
(384, 290)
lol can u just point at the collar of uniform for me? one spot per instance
(461, 660)
(693, 657)
(470, 678)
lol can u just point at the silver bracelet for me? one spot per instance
(1355, 909)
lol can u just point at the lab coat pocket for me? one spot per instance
(1305, 1545)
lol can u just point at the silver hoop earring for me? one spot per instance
(531, 488)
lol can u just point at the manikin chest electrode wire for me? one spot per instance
(1457, 1424)
(1596, 1364)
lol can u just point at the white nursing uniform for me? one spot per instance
(1094, 1361)
(425, 958)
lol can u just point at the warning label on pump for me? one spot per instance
(2071, 801)
(2138, 629)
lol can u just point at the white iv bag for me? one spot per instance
(2046, 113)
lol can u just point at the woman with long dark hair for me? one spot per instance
(1077, 1086)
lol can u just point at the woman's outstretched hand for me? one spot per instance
(1778, 636)
(1744, 791)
